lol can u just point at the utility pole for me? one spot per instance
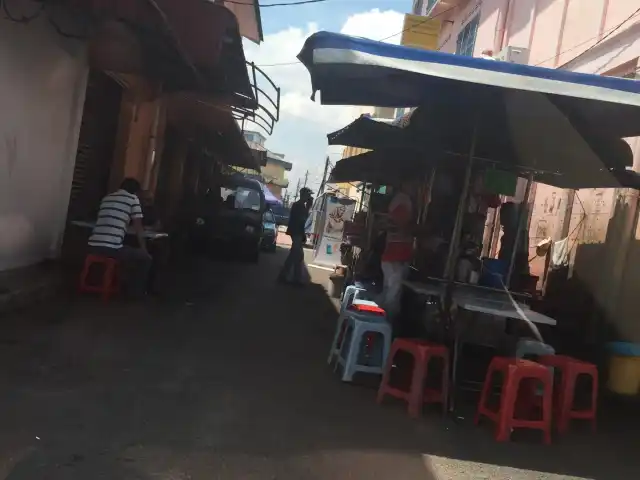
(324, 175)
(295, 197)
(306, 178)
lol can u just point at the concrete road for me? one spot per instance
(225, 378)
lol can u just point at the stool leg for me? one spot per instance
(352, 355)
(547, 408)
(507, 404)
(484, 395)
(107, 281)
(83, 277)
(594, 400)
(336, 337)
(386, 349)
(386, 376)
(564, 416)
(445, 385)
(416, 395)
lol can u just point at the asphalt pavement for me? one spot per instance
(225, 378)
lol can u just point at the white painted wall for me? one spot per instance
(42, 86)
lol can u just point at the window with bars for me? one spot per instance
(430, 5)
(467, 37)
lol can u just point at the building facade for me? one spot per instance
(88, 99)
(42, 88)
(594, 36)
(274, 172)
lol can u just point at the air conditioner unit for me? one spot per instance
(514, 55)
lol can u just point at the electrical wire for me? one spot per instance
(606, 36)
(283, 4)
(380, 40)
(24, 19)
(609, 33)
(427, 19)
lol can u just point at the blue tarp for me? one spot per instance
(531, 119)
(357, 71)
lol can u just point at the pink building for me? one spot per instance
(592, 36)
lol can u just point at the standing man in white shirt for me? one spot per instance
(117, 211)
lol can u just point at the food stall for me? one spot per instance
(473, 117)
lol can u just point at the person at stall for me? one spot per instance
(296, 230)
(398, 250)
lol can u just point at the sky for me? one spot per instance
(301, 132)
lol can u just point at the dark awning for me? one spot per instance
(365, 132)
(434, 132)
(187, 44)
(392, 166)
(381, 167)
(214, 125)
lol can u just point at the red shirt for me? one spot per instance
(399, 245)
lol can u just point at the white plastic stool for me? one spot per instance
(351, 294)
(358, 325)
(339, 334)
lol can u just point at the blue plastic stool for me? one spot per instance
(339, 333)
(356, 355)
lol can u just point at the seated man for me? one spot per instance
(117, 211)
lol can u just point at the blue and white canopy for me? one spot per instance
(551, 122)
(357, 71)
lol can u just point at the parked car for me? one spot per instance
(281, 214)
(231, 219)
(269, 231)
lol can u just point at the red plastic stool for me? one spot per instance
(570, 369)
(422, 352)
(516, 371)
(109, 284)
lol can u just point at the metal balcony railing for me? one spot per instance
(266, 109)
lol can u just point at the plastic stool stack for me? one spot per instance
(362, 341)
(515, 372)
(349, 299)
(423, 352)
(109, 284)
(570, 368)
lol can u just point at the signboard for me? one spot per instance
(420, 32)
(336, 212)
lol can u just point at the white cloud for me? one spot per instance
(375, 24)
(304, 124)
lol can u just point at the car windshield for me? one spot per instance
(240, 198)
(268, 217)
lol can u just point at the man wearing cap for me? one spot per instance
(295, 229)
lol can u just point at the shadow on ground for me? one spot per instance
(225, 378)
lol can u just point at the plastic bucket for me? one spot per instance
(624, 368)
(493, 272)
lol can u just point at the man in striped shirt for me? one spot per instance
(117, 211)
